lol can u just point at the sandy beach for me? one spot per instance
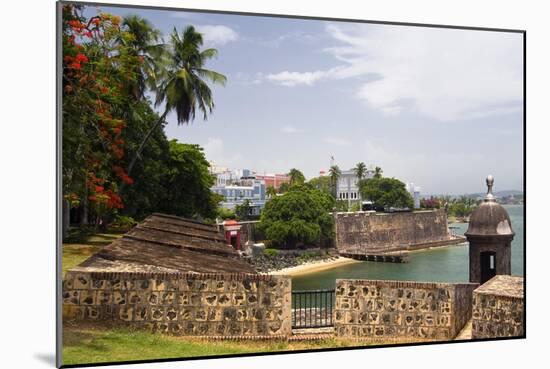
(315, 266)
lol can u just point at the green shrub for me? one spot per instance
(123, 223)
(271, 253)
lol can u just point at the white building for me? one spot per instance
(238, 186)
(347, 186)
(415, 193)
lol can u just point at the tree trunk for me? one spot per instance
(143, 142)
(65, 218)
(84, 209)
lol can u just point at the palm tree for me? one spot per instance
(181, 83)
(145, 44)
(296, 177)
(334, 173)
(360, 170)
(271, 191)
(377, 172)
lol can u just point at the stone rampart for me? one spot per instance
(375, 233)
(498, 308)
(401, 310)
(198, 304)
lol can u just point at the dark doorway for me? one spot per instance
(234, 242)
(488, 264)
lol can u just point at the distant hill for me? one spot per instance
(498, 194)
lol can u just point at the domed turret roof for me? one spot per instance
(490, 218)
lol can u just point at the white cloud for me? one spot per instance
(214, 150)
(290, 129)
(442, 73)
(183, 15)
(214, 147)
(217, 34)
(292, 79)
(337, 141)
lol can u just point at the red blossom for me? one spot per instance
(75, 65)
(81, 58)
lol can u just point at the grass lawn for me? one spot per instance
(76, 253)
(88, 344)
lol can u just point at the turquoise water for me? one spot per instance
(448, 264)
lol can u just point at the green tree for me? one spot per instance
(146, 44)
(360, 170)
(270, 191)
(181, 85)
(224, 213)
(386, 192)
(97, 70)
(334, 173)
(284, 187)
(146, 194)
(300, 216)
(378, 172)
(296, 177)
(322, 183)
(188, 182)
(243, 210)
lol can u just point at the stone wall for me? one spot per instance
(207, 304)
(367, 232)
(498, 308)
(401, 310)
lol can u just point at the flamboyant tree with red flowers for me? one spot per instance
(116, 157)
(97, 70)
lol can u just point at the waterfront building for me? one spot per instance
(347, 187)
(415, 194)
(237, 187)
(273, 180)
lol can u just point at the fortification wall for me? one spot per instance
(366, 232)
(498, 308)
(401, 310)
(208, 304)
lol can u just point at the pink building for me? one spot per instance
(274, 180)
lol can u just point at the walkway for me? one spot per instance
(466, 332)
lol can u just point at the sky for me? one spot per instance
(440, 108)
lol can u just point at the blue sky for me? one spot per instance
(438, 107)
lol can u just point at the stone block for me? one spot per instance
(81, 281)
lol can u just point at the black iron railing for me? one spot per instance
(312, 309)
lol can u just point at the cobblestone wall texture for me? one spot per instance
(401, 309)
(369, 232)
(498, 308)
(210, 304)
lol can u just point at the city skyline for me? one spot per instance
(441, 108)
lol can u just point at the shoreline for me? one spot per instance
(313, 267)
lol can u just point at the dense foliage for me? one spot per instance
(298, 217)
(456, 206)
(322, 183)
(116, 159)
(386, 192)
